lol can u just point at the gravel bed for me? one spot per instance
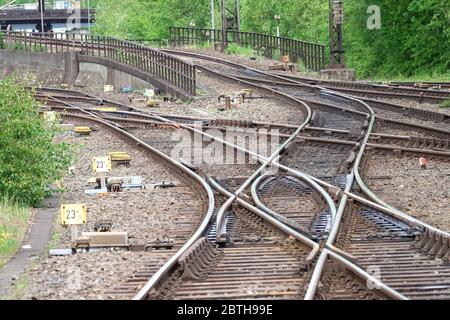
(420, 105)
(399, 116)
(423, 193)
(231, 164)
(206, 105)
(147, 216)
(85, 276)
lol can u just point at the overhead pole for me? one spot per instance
(212, 23)
(89, 16)
(224, 25)
(231, 20)
(41, 10)
(237, 14)
(336, 23)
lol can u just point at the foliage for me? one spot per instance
(30, 160)
(243, 51)
(144, 19)
(2, 42)
(414, 39)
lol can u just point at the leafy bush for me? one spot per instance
(19, 46)
(30, 160)
(233, 48)
(37, 48)
(2, 41)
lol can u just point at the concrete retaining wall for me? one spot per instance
(46, 69)
(72, 68)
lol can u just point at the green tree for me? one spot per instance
(144, 19)
(30, 160)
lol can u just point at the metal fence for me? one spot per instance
(312, 55)
(175, 71)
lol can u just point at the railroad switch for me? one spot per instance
(277, 67)
(115, 184)
(160, 244)
(108, 88)
(106, 239)
(152, 103)
(126, 89)
(82, 243)
(106, 109)
(119, 157)
(82, 130)
(103, 226)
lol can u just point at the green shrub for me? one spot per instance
(19, 46)
(445, 104)
(37, 48)
(30, 160)
(234, 48)
(2, 42)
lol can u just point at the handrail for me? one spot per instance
(311, 54)
(175, 71)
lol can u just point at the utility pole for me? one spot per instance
(336, 22)
(224, 25)
(89, 17)
(212, 21)
(231, 20)
(41, 10)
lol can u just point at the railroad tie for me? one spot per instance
(198, 259)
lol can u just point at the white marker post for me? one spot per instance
(102, 165)
(73, 215)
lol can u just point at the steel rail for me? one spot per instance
(376, 283)
(325, 195)
(274, 214)
(174, 259)
(273, 221)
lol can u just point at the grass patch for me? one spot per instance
(13, 222)
(445, 104)
(242, 51)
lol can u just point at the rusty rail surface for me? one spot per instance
(178, 73)
(311, 54)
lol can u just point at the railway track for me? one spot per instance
(430, 94)
(275, 259)
(398, 253)
(186, 223)
(398, 179)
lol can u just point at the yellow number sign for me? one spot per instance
(101, 164)
(73, 214)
